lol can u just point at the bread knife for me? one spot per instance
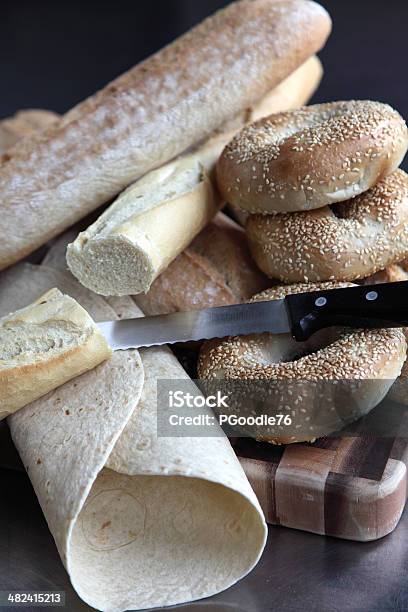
(301, 315)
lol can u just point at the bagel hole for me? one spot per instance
(338, 210)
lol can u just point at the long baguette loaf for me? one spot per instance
(151, 114)
(150, 223)
(299, 85)
(215, 270)
(23, 124)
(43, 346)
(143, 231)
(294, 91)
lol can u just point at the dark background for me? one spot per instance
(55, 53)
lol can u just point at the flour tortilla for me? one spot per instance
(139, 521)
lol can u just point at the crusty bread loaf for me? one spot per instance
(129, 246)
(150, 223)
(43, 346)
(22, 124)
(215, 270)
(294, 91)
(151, 114)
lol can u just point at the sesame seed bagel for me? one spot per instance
(323, 384)
(350, 241)
(311, 157)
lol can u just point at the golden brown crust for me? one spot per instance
(149, 224)
(353, 241)
(373, 359)
(308, 158)
(215, 270)
(154, 112)
(223, 243)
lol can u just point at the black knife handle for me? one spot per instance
(363, 307)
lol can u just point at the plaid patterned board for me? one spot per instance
(352, 487)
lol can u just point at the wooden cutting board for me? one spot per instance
(352, 487)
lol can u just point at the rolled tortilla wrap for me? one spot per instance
(140, 521)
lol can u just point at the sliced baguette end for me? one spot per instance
(111, 266)
(43, 346)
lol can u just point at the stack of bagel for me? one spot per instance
(327, 206)
(321, 184)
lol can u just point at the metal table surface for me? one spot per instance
(299, 571)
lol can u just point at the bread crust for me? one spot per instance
(353, 241)
(43, 346)
(215, 270)
(151, 114)
(223, 243)
(312, 157)
(289, 383)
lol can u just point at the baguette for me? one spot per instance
(151, 114)
(215, 270)
(23, 124)
(150, 223)
(43, 346)
(145, 229)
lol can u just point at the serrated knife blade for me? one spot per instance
(237, 320)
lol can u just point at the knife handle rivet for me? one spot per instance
(320, 302)
(373, 295)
